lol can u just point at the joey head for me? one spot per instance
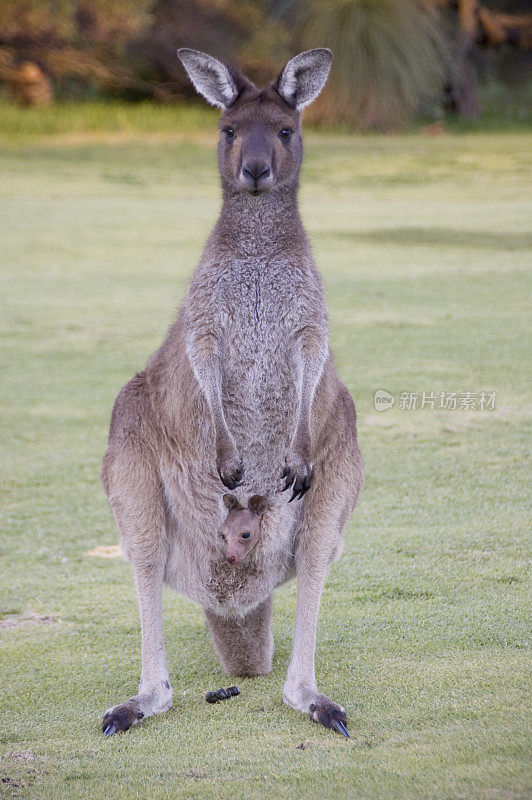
(241, 530)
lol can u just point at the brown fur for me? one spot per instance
(242, 391)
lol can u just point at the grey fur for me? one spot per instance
(242, 390)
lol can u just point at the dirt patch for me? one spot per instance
(28, 618)
(21, 755)
(105, 551)
(11, 783)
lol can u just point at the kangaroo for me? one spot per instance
(242, 395)
(241, 529)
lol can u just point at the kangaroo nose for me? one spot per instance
(231, 559)
(256, 170)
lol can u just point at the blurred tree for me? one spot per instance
(84, 40)
(477, 26)
(130, 45)
(237, 31)
(93, 22)
(389, 55)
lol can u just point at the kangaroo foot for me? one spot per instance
(329, 714)
(122, 717)
(145, 704)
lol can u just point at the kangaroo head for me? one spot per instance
(241, 530)
(260, 145)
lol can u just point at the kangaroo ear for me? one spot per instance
(218, 84)
(231, 502)
(303, 78)
(258, 505)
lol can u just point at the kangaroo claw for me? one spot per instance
(329, 714)
(299, 481)
(301, 486)
(339, 726)
(122, 717)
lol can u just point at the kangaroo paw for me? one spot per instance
(297, 474)
(317, 705)
(231, 472)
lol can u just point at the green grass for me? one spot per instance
(103, 119)
(111, 120)
(424, 245)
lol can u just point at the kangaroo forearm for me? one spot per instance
(312, 356)
(301, 438)
(222, 435)
(203, 352)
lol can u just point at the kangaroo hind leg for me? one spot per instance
(134, 493)
(327, 509)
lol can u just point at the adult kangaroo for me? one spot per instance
(242, 395)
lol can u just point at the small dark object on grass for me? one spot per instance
(222, 694)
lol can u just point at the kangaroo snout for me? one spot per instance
(256, 173)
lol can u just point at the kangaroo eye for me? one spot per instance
(223, 536)
(246, 535)
(285, 134)
(229, 133)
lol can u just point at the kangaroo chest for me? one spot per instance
(258, 297)
(260, 310)
(260, 307)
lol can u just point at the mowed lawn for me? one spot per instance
(424, 246)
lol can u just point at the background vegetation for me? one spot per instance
(392, 58)
(424, 245)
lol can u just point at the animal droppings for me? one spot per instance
(222, 694)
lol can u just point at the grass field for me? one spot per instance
(424, 244)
